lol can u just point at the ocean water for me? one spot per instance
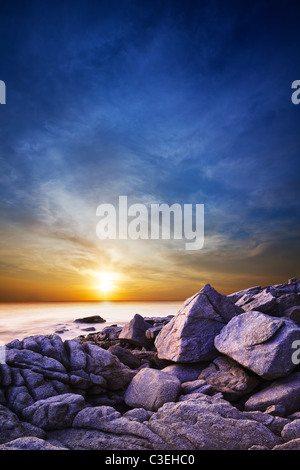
(20, 320)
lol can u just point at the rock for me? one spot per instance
(12, 428)
(209, 423)
(42, 367)
(290, 445)
(92, 417)
(264, 301)
(109, 333)
(55, 412)
(226, 376)
(196, 386)
(185, 372)
(294, 314)
(152, 333)
(189, 336)
(151, 358)
(90, 319)
(30, 443)
(284, 392)
(151, 388)
(94, 439)
(246, 294)
(276, 410)
(103, 363)
(111, 422)
(260, 342)
(287, 301)
(125, 356)
(138, 414)
(204, 423)
(291, 430)
(135, 330)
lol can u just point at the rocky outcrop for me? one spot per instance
(40, 367)
(216, 376)
(260, 342)
(189, 336)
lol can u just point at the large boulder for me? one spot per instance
(284, 392)
(189, 336)
(260, 342)
(151, 388)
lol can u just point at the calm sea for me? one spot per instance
(20, 320)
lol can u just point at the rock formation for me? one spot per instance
(221, 374)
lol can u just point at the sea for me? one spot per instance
(20, 320)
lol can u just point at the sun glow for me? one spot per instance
(107, 282)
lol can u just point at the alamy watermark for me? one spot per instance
(296, 354)
(160, 221)
(2, 353)
(2, 92)
(296, 94)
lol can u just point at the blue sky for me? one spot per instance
(163, 101)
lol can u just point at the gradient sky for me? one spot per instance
(163, 101)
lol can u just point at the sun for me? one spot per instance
(107, 282)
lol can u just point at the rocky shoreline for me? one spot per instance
(221, 374)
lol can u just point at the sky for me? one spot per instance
(164, 101)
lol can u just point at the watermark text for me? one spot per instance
(160, 222)
(296, 94)
(2, 92)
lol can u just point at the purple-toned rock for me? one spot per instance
(264, 301)
(284, 392)
(260, 342)
(54, 412)
(151, 388)
(189, 336)
(135, 330)
(228, 377)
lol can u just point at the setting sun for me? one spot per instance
(107, 282)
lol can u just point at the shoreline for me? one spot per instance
(218, 375)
